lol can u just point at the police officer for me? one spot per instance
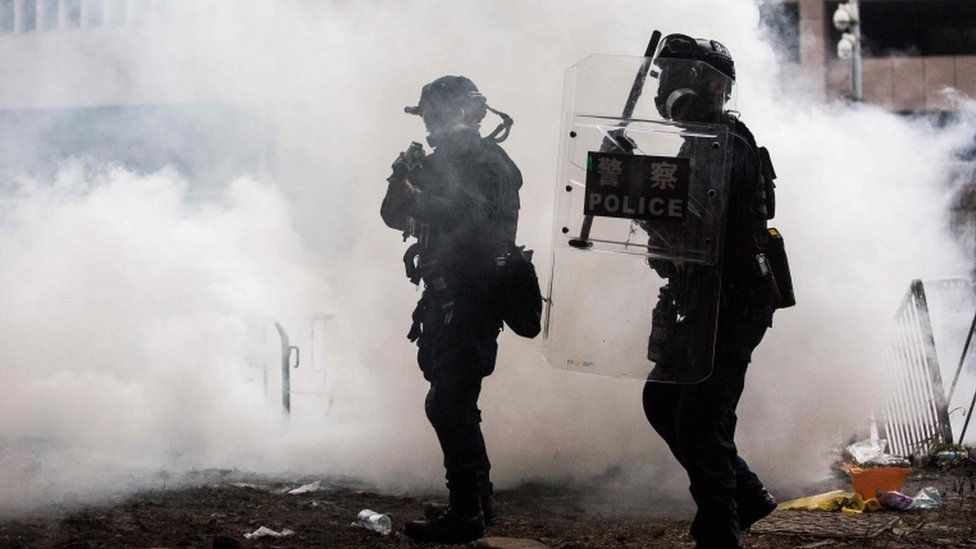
(461, 204)
(698, 421)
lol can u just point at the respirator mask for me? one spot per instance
(683, 104)
(684, 95)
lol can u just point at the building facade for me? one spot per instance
(913, 50)
(104, 80)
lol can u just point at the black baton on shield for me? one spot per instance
(583, 241)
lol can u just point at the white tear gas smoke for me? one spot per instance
(125, 341)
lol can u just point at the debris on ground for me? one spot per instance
(949, 457)
(836, 500)
(895, 501)
(265, 532)
(305, 488)
(946, 456)
(871, 453)
(865, 450)
(214, 513)
(927, 498)
(377, 522)
(869, 482)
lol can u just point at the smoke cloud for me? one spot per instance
(137, 304)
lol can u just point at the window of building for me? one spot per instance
(72, 14)
(96, 13)
(28, 15)
(118, 13)
(7, 16)
(779, 23)
(51, 15)
(911, 27)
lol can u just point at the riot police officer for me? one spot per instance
(461, 204)
(698, 421)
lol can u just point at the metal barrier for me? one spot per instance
(915, 416)
(286, 349)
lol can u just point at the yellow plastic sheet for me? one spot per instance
(837, 500)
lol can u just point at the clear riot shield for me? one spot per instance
(632, 193)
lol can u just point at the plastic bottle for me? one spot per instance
(371, 520)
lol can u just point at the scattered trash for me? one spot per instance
(895, 500)
(951, 458)
(837, 500)
(371, 520)
(868, 482)
(888, 460)
(819, 502)
(927, 498)
(867, 449)
(265, 532)
(305, 488)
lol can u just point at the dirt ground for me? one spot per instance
(217, 512)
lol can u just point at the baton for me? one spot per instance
(583, 241)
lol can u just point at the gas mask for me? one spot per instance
(689, 94)
(682, 104)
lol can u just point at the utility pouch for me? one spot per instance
(769, 184)
(663, 320)
(516, 294)
(780, 266)
(409, 263)
(417, 320)
(771, 293)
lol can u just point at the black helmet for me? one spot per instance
(448, 100)
(452, 100)
(712, 52)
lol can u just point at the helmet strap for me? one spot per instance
(501, 132)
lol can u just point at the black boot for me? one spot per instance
(485, 492)
(447, 527)
(461, 522)
(753, 506)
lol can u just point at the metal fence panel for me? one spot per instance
(915, 415)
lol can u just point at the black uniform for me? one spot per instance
(698, 421)
(463, 215)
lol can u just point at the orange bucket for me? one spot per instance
(868, 482)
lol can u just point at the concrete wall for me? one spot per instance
(907, 83)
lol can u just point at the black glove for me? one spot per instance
(408, 161)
